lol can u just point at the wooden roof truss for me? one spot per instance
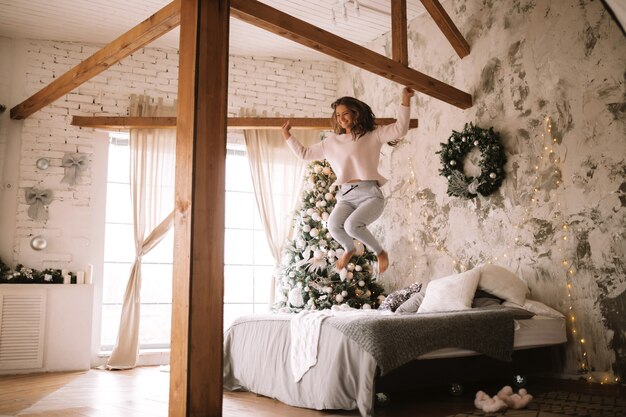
(282, 24)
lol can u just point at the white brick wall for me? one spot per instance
(257, 86)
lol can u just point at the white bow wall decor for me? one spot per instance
(74, 164)
(38, 200)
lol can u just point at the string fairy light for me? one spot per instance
(546, 164)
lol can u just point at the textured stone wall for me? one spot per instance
(558, 219)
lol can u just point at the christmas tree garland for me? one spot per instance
(491, 164)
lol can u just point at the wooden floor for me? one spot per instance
(143, 392)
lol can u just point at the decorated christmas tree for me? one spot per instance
(308, 278)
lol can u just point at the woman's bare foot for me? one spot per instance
(345, 258)
(383, 262)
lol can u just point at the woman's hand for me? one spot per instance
(286, 128)
(407, 93)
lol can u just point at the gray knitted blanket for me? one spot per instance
(394, 340)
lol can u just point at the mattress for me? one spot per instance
(535, 332)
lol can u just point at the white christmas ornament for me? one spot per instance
(317, 169)
(314, 232)
(328, 196)
(366, 307)
(328, 290)
(344, 293)
(358, 268)
(350, 275)
(310, 211)
(306, 228)
(325, 216)
(339, 298)
(343, 274)
(318, 254)
(350, 266)
(295, 297)
(361, 283)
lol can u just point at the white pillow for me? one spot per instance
(451, 293)
(502, 283)
(536, 307)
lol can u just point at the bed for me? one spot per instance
(347, 375)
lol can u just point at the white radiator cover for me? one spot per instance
(22, 328)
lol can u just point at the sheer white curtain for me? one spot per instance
(152, 164)
(277, 180)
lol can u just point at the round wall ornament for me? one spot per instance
(43, 163)
(38, 243)
(452, 155)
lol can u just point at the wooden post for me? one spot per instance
(197, 311)
(399, 45)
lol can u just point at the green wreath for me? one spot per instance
(491, 163)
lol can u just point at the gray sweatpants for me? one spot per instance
(358, 205)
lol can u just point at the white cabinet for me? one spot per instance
(45, 327)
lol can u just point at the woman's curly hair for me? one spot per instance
(364, 119)
(362, 114)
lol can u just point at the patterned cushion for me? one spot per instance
(396, 298)
(412, 304)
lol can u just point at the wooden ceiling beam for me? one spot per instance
(399, 45)
(447, 26)
(107, 122)
(150, 29)
(282, 24)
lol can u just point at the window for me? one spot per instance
(119, 254)
(248, 264)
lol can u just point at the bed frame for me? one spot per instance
(457, 371)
